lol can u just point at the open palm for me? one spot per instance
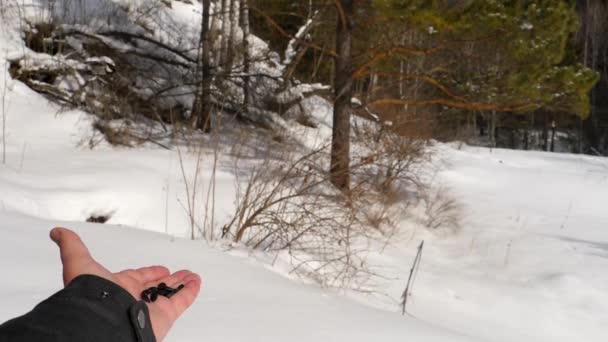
(164, 311)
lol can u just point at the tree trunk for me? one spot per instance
(222, 52)
(213, 17)
(528, 127)
(545, 132)
(553, 136)
(580, 135)
(482, 124)
(340, 145)
(201, 108)
(474, 130)
(234, 20)
(373, 79)
(492, 129)
(246, 54)
(401, 72)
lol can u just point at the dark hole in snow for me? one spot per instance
(96, 218)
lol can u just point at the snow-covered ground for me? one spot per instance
(530, 262)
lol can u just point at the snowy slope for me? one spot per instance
(526, 266)
(531, 261)
(138, 188)
(240, 300)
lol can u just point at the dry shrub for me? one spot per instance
(441, 211)
(116, 135)
(377, 217)
(127, 133)
(386, 173)
(288, 205)
(392, 173)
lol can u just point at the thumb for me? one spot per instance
(74, 254)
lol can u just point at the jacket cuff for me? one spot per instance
(114, 303)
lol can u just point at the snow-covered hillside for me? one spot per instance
(530, 262)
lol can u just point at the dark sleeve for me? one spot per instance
(89, 309)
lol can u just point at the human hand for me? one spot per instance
(77, 261)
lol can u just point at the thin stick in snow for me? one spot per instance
(563, 225)
(191, 193)
(209, 229)
(22, 157)
(3, 107)
(167, 206)
(507, 253)
(410, 280)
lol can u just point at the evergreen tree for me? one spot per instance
(503, 55)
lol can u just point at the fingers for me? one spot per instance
(75, 256)
(164, 311)
(148, 274)
(172, 280)
(186, 296)
(71, 247)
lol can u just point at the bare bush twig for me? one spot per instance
(191, 191)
